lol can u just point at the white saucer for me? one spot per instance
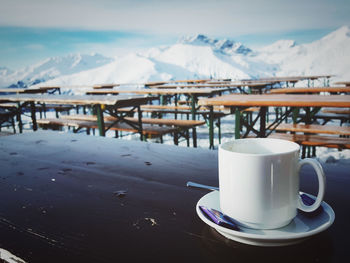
(303, 226)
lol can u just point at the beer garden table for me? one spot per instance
(238, 102)
(74, 198)
(193, 93)
(310, 90)
(101, 104)
(31, 90)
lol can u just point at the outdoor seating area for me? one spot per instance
(273, 107)
(185, 132)
(116, 159)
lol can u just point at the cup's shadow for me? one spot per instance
(318, 248)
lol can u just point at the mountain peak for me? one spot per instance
(280, 46)
(225, 46)
(341, 33)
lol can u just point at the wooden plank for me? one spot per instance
(313, 128)
(217, 114)
(310, 90)
(175, 108)
(8, 105)
(328, 116)
(156, 83)
(167, 122)
(105, 86)
(251, 109)
(314, 140)
(167, 91)
(336, 111)
(29, 90)
(121, 126)
(278, 100)
(347, 83)
(68, 194)
(119, 101)
(215, 85)
(166, 107)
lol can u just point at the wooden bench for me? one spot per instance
(314, 140)
(327, 117)
(166, 122)
(181, 126)
(105, 86)
(148, 130)
(313, 128)
(41, 107)
(165, 109)
(336, 110)
(312, 137)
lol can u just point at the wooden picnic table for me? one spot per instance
(76, 198)
(168, 91)
(310, 90)
(157, 83)
(239, 85)
(101, 104)
(278, 100)
(290, 79)
(237, 102)
(30, 90)
(105, 86)
(193, 93)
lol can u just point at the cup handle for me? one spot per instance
(321, 185)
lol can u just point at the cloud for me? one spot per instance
(220, 17)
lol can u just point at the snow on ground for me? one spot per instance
(8, 257)
(324, 155)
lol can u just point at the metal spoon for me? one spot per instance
(202, 186)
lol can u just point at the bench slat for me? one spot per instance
(121, 126)
(168, 122)
(217, 114)
(314, 128)
(314, 140)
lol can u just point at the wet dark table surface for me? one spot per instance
(78, 198)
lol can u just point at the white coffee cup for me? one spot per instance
(259, 182)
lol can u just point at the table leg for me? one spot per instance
(219, 129)
(176, 101)
(19, 117)
(193, 111)
(100, 120)
(262, 132)
(140, 122)
(237, 124)
(33, 112)
(211, 128)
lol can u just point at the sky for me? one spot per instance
(33, 30)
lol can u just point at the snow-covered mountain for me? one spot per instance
(225, 46)
(193, 57)
(329, 55)
(51, 68)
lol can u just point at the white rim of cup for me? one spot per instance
(297, 147)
